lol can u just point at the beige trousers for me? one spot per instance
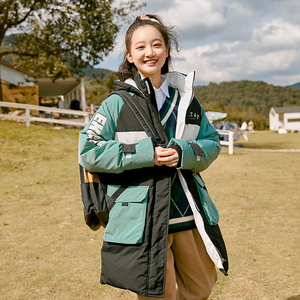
(188, 265)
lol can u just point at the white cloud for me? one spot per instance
(196, 13)
(271, 61)
(278, 34)
(272, 50)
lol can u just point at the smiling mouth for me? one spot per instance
(150, 62)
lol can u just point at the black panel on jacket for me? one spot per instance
(193, 115)
(127, 120)
(128, 148)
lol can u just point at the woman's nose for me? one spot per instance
(149, 51)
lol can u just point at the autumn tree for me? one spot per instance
(56, 38)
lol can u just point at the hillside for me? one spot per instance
(91, 72)
(296, 85)
(245, 100)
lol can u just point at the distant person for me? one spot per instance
(251, 126)
(75, 104)
(173, 242)
(244, 128)
(60, 103)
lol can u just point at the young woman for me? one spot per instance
(160, 231)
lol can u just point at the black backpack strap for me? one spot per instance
(142, 117)
(110, 200)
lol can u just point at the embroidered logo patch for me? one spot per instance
(194, 116)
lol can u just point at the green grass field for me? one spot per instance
(47, 251)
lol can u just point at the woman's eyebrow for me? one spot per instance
(154, 40)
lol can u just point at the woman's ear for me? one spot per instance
(129, 57)
(167, 50)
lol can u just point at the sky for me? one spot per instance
(229, 40)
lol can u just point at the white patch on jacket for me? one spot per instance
(96, 127)
(190, 132)
(130, 137)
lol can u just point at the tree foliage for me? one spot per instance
(56, 38)
(97, 89)
(245, 100)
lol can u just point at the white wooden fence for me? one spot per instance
(73, 122)
(28, 118)
(228, 143)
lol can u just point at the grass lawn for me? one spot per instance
(47, 251)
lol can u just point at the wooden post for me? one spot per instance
(230, 140)
(83, 100)
(27, 117)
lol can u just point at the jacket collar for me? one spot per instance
(184, 83)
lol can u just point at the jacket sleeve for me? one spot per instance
(99, 152)
(198, 154)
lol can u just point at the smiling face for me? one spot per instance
(148, 52)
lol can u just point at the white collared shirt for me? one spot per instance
(161, 94)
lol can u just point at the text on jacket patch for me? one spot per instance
(96, 126)
(194, 115)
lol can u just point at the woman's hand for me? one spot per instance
(166, 156)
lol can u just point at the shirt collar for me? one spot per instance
(162, 93)
(165, 88)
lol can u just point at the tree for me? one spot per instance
(56, 38)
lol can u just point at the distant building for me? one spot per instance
(15, 76)
(68, 89)
(17, 85)
(285, 118)
(21, 87)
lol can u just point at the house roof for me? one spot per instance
(4, 63)
(48, 88)
(288, 109)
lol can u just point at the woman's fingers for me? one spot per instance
(168, 157)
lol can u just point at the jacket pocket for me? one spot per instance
(209, 208)
(127, 218)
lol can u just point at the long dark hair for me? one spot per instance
(127, 69)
